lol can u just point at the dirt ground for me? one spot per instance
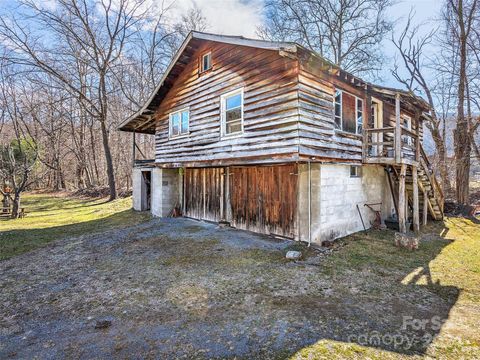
(177, 288)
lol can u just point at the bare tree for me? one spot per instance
(86, 65)
(94, 33)
(459, 16)
(18, 156)
(412, 49)
(347, 32)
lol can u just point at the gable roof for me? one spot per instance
(143, 120)
(140, 120)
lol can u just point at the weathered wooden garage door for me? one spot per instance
(204, 193)
(264, 198)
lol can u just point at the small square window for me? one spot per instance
(355, 171)
(206, 62)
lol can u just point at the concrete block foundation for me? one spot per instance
(164, 190)
(334, 196)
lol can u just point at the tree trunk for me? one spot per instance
(16, 206)
(108, 159)
(106, 145)
(440, 145)
(461, 135)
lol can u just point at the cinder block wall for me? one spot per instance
(165, 191)
(137, 182)
(334, 199)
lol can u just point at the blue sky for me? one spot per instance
(242, 17)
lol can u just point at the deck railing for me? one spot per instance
(390, 145)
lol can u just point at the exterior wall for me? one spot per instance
(165, 191)
(269, 81)
(137, 183)
(317, 134)
(334, 199)
(308, 211)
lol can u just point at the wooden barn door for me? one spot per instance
(264, 198)
(204, 193)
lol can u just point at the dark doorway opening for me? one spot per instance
(146, 189)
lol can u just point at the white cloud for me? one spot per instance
(229, 17)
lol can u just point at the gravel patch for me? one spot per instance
(178, 288)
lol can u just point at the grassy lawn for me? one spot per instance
(190, 289)
(447, 265)
(55, 217)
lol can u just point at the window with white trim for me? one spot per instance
(179, 123)
(406, 122)
(206, 62)
(338, 109)
(232, 112)
(348, 112)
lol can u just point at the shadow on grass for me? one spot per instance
(402, 310)
(15, 242)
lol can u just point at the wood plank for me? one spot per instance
(398, 133)
(402, 200)
(425, 207)
(416, 215)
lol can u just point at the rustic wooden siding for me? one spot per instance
(317, 134)
(264, 198)
(270, 107)
(204, 193)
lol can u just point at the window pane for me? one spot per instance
(206, 62)
(234, 114)
(234, 101)
(338, 96)
(338, 123)
(185, 122)
(175, 124)
(359, 116)
(355, 171)
(338, 110)
(234, 127)
(349, 111)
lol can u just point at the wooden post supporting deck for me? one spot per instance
(425, 207)
(398, 130)
(416, 214)
(401, 200)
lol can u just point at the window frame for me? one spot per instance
(170, 123)
(335, 116)
(223, 112)
(340, 91)
(209, 54)
(409, 128)
(358, 171)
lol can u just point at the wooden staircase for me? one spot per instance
(427, 184)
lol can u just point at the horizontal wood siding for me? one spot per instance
(317, 134)
(270, 107)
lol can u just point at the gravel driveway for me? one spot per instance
(177, 288)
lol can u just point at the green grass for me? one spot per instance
(447, 264)
(55, 217)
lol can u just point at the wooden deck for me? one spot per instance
(411, 177)
(391, 146)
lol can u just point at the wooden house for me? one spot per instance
(270, 137)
